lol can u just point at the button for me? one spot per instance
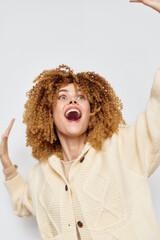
(80, 224)
(82, 158)
(66, 188)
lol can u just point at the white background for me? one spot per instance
(117, 39)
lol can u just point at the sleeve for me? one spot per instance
(10, 172)
(139, 143)
(18, 190)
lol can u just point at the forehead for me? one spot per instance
(69, 87)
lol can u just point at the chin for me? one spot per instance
(72, 130)
(75, 133)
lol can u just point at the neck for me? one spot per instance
(71, 146)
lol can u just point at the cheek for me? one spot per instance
(88, 109)
(56, 113)
(87, 114)
(57, 119)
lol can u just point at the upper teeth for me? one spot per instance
(72, 110)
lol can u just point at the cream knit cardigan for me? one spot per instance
(107, 195)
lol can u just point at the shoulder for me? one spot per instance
(109, 141)
(37, 169)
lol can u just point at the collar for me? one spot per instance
(55, 162)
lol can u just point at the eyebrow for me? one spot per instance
(65, 90)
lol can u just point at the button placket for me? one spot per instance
(68, 220)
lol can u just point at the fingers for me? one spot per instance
(138, 1)
(7, 132)
(155, 4)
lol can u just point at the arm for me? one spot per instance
(139, 143)
(155, 4)
(8, 168)
(16, 186)
(4, 156)
(18, 190)
(142, 138)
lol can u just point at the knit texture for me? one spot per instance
(10, 172)
(107, 194)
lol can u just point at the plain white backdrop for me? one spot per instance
(117, 39)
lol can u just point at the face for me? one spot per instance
(72, 112)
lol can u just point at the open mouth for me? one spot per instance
(73, 114)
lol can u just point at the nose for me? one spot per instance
(73, 102)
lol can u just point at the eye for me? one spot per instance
(81, 97)
(62, 97)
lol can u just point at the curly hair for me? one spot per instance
(106, 110)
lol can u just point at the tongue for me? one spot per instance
(73, 116)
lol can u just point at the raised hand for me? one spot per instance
(155, 4)
(4, 157)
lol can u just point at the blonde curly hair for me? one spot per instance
(106, 110)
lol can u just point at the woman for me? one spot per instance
(91, 179)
